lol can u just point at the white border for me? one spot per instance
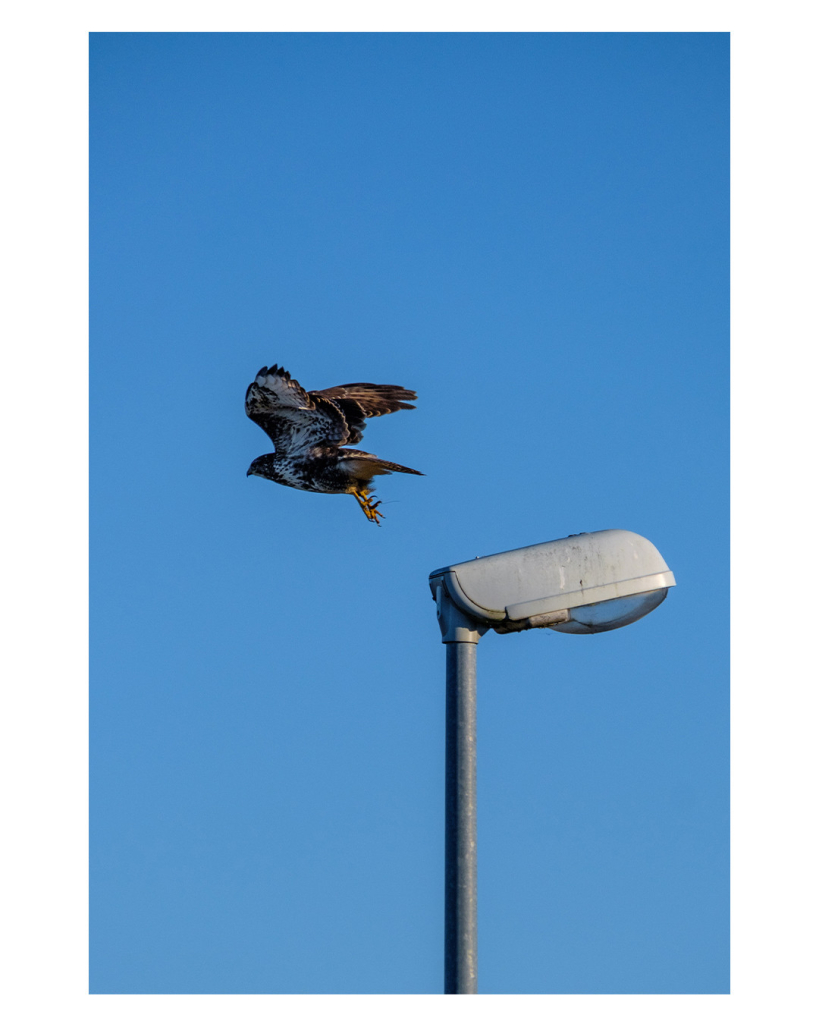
(44, 393)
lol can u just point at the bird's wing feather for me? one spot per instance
(292, 418)
(360, 401)
(374, 399)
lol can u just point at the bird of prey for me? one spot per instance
(310, 429)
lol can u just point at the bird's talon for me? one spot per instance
(369, 507)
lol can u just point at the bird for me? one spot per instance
(311, 428)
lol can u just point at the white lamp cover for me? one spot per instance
(553, 584)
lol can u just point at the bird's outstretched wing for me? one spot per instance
(292, 418)
(360, 401)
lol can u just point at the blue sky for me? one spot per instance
(532, 232)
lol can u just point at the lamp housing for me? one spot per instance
(584, 583)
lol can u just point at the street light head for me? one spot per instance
(585, 583)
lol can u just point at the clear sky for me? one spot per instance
(532, 232)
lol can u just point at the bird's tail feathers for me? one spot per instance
(363, 466)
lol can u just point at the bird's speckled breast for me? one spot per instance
(317, 474)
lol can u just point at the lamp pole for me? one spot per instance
(460, 635)
(461, 857)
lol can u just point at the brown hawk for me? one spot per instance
(310, 429)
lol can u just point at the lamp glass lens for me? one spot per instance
(605, 615)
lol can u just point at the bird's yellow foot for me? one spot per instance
(369, 507)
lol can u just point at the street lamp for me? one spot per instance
(585, 583)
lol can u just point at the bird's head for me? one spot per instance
(261, 466)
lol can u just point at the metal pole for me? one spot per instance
(461, 870)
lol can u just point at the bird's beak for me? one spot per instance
(249, 473)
